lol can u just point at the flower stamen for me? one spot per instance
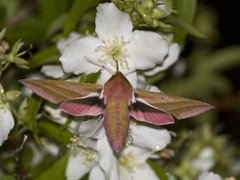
(88, 153)
(114, 53)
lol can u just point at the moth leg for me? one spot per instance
(100, 119)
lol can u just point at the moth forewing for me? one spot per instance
(57, 91)
(179, 107)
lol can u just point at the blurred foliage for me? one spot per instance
(201, 73)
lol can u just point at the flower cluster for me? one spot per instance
(117, 47)
(95, 110)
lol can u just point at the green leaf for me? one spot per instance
(206, 83)
(47, 160)
(33, 105)
(78, 8)
(90, 78)
(28, 30)
(158, 170)
(3, 14)
(10, 7)
(56, 133)
(56, 171)
(20, 62)
(186, 10)
(48, 55)
(222, 59)
(16, 47)
(50, 10)
(27, 156)
(56, 25)
(185, 27)
(2, 34)
(7, 178)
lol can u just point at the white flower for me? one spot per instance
(133, 165)
(209, 176)
(95, 155)
(115, 42)
(63, 42)
(107, 160)
(205, 160)
(81, 161)
(6, 117)
(172, 57)
(145, 141)
(6, 123)
(92, 155)
(144, 86)
(152, 138)
(56, 71)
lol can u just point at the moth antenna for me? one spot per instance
(98, 64)
(140, 68)
(98, 129)
(130, 72)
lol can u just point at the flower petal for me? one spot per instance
(209, 176)
(107, 160)
(75, 53)
(54, 71)
(151, 138)
(146, 49)
(132, 78)
(6, 123)
(134, 164)
(142, 84)
(63, 42)
(111, 23)
(144, 171)
(136, 154)
(96, 173)
(89, 128)
(77, 167)
(105, 76)
(172, 57)
(205, 160)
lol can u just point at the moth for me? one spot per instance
(117, 102)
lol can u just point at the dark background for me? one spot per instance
(229, 28)
(229, 19)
